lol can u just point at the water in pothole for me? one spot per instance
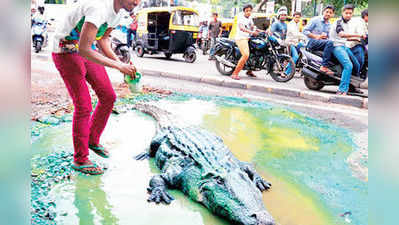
(304, 159)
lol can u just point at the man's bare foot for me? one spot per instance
(326, 70)
(341, 93)
(235, 77)
(251, 74)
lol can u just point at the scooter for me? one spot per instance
(315, 79)
(119, 43)
(39, 34)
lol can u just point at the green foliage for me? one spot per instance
(339, 4)
(55, 2)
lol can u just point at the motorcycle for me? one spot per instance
(265, 54)
(39, 34)
(315, 79)
(204, 45)
(119, 43)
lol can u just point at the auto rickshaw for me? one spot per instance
(227, 24)
(171, 30)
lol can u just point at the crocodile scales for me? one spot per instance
(198, 163)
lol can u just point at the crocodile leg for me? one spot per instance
(171, 166)
(155, 143)
(158, 191)
(260, 183)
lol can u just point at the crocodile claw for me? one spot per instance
(159, 195)
(142, 156)
(262, 184)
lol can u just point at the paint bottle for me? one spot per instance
(134, 84)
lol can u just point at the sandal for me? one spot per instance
(99, 150)
(86, 169)
(251, 74)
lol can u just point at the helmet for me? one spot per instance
(282, 10)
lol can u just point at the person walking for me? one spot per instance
(79, 63)
(215, 30)
(132, 30)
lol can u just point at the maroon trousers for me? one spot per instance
(76, 72)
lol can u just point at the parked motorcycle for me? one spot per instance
(119, 43)
(264, 55)
(315, 79)
(204, 45)
(39, 34)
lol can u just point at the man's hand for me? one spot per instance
(255, 33)
(128, 69)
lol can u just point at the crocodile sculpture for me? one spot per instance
(199, 164)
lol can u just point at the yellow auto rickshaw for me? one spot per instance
(168, 30)
(227, 24)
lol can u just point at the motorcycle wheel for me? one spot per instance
(313, 84)
(139, 51)
(125, 56)
(223, 69)
(204, 48)
(168, 55)
(276, 72)
(190, 56)
(38, 46)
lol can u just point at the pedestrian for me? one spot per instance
(246, 27)
(317, 32)
(132, 30)
(295, 39)
(215, 30)
(79, 63)
(346, 34)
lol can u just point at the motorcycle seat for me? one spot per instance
(318, 53)
(227, 41)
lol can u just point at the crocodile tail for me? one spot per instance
(163, 117)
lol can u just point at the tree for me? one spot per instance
(339, 4)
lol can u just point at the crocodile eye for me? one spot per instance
(220, 180)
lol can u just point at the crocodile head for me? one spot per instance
(234, 196)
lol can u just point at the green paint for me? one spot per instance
(303, 157)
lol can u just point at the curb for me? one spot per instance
(354, 101)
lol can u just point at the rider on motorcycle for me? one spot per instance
(246, 27)
(317, 31)
(347, 34)
(294, 38)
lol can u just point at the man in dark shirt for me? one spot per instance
(214, 31)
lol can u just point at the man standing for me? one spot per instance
(346, 34)
(215, 30)
(79, 63)
(294, 38)
(132, 30)
(317, 31)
